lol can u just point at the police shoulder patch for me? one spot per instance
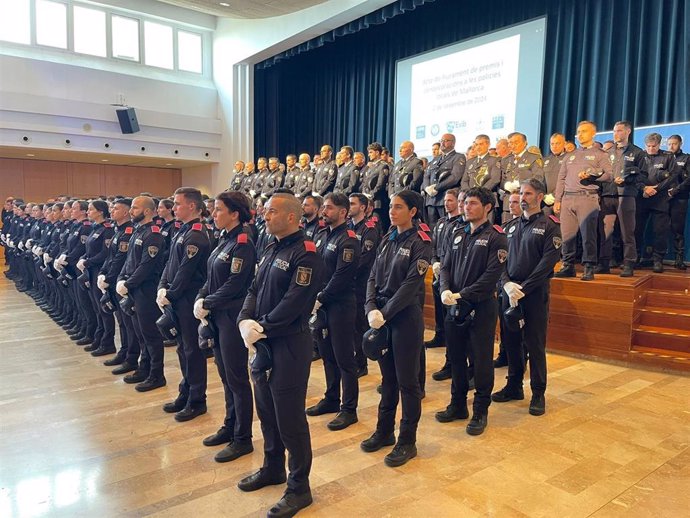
(557, 242)
(502, 255)
(152, 251)
(129, 230)
(422, 266)
(84, 237)
(424, 237)
(303, 275)
(242, 239)
(309, 246)
(348, 254)
(155, 229)
(499, 229)
(236, 265)
(197, 226)
(554, 219)
(192, 250)
(123, 247)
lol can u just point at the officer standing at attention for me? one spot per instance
(469, 274)
(374, 181)
(552, 164)
(483, 170)
(304, 184)
(348, 173)
(679, 199)
(395, 298)
(230, 272)
(277, 309)
(340, 250)
(407, 173)
(138, 280)
(520, 165)
(326, 172)
(442, 174)
(311, 223)
(291, 172)
(577, 200)
(534, 243)
(183, 276)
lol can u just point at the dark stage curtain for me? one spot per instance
(605, 60)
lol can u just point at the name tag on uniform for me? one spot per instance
(481, 242)
(331, 247)
(629, 158)
(281, 264)
(405, 252)
(223, 256)
(539, 231)
(137, 242)
(590, 157)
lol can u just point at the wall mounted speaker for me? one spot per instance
(128, 120)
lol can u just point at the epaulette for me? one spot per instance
(370, 224)
(424, 236)
(197, 226)
(322, 223)
(86, 223)
(309, 246)
(554, 219)
(499, 229)
(242, 239)
(178, 224)
(129, 230)
(351, 233)
(155, 229)
(374, 218)
(424, 227)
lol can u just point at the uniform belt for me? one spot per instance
(581, 193)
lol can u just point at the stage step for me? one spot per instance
(661, 358)
(673, 282)
(662, 338)
(673, 318)
(667, 299)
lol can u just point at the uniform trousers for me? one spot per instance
(192, 359)
(678, 211)
(361, 323)
(658, 211)
(150, 340)
(580, 211)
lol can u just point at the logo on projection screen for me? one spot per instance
(420, 131)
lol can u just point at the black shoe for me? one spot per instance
(658, 267)
(508, 393)
(500, 361)
(602, 268)
(222, 436)
(190, 412)
(362, 371)
(452, 413)
(103, 351)
(443, 374)
(342, 421)
(436, 341)
(124, 368)
(588, 274)
(290, 504)
(177, 406)
(537, 406)
(91, 347)
(136, 377)
(627, 270)
(477, 424)
(150, 384)
(566, 270)
(400, 455)
(169, 343)
(323, 407)
(315, 356)
(233, 451)
(376, 442)
(261, 479)
(118, 359)
(85, 341)
(680, 262)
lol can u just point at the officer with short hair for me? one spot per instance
(374, 181)
(325, 172)
(347, 181)
(443, 173)
(291, 172)
(407, 172)
(304, 184)
(678, 206)
(519, 165)
(311, 222)
(552, 164)
(483, 170)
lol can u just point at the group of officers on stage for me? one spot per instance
(293, 263)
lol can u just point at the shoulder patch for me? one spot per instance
(156, 229)
(375, 219)
(424, 227)
(322, 223)
(424, 236)
(242, 239)
(351, 233)
(129, 230)
(499, 229)
(370, 224)
(197, 226)
(554, 219)
(309, 246)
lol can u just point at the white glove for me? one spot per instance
(62, 259)
(549, 199)
(317, 305)
(11, 243)
(161, 298)
(199, 311)
(58, 266)
(431, 190)
(100, 282)
(436, 268)
(81, 264)
(29, 243)
(251, 332)
(121, 289)
(252, 193)
(314, 193)
(47, 259)
(511, 186)
(449, 298)
(514, 292)
(376, 319)
(21, 245)
(39, 251)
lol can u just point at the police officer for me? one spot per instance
(235, 181)
(273, 180)
(660, 174)
(230, 271)
(469, 273)
(347, 181)
(442, 174)
(248, 176)
(137, 281)
(311, 223)
(368, 236)
(534, 242)
(519, 165)
(678, 205)
(183, 276)
(277, 309)
(304, 185)
(577, 200)
(483, 170)
(407, 172)
(395, 297)
(552, 164)
(340, 251)
(260, 178)
(291, 172)
(325, 173)
(374, 180)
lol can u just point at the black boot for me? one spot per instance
(588, 274)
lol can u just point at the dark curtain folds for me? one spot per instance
(604, 61)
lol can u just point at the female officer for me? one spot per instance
(230, 273)
(395, 296)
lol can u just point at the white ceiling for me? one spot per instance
(245, 8)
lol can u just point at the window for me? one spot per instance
(125, 38)
(89, 31)
(189, 52)
(158, 45)
(51, 23)
(15, 21)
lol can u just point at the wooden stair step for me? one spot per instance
(656, 357)
(668, 299)
(665, 318)
(671, 282)
(661, 338)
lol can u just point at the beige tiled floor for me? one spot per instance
(77, 441)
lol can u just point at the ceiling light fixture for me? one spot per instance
(30, 154)
(104, 160)
(225, 4)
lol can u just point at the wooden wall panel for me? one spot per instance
(11, 178)
(44, 179)
(86, 180)
(158, 181)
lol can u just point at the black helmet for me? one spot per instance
(127, 305)
(263, 360)
(63, 279)
(167, 323)
(84, 282)
(462, 313)
(108, 302)
(318, 324)
(208, 334)
(514, 318)
(375, 342)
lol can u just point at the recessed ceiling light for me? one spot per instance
(225, 4)
(30, 154)
(104, 160)
(168, 164)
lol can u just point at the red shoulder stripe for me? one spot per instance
(351, 233)
(197, 226)
(424, 236)
(242, 239)
(375, 218)
(155, 229)
(129, 230)
(555, 219)
(322, 223)
(370, 224)
(178, 224)
(424, 227)
(309, 246)
(499, 229)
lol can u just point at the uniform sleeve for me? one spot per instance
(445, 275)
(367, 254)
(370, 301)
(148, 265)
(485, 284)
(345, 270)
(606, 169)
(233, 288)
(78, 250)
(560, 183)
(494, 175)
(537, 169)
(456, 174)
(189, 265)
(550, 255)
(354, 181)
(406, 294)
(417, 177)
(98, 259)
(674, 173)
(382, 180)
